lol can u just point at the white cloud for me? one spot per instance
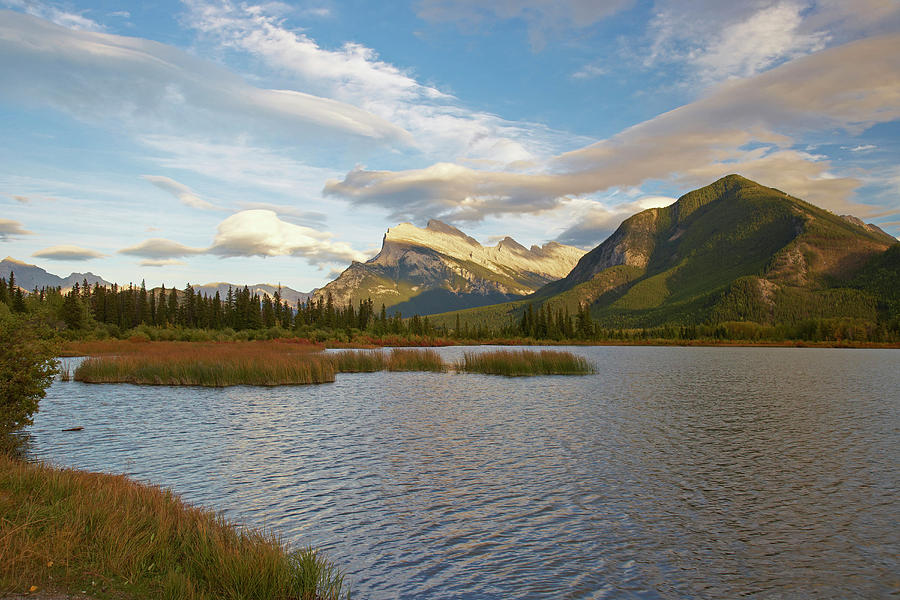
(161, 262)
(356, 75)
(596, 220)
(53, 14)
(10, 229)
(160, 248)
(851, 87)
(68, 252)
(767, 37)
(720, 40)
(145, 85)
(589, 71)
(863, 148)
(262, 233)
(180, 191)
(254, 233)
(237, 163)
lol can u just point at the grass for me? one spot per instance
(211, 364)
(358, 361)
(407, 359)
(65, 530)
(399, 359)
(524, 362)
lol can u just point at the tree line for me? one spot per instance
(114, 310)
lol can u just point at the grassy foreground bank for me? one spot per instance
(66, 531)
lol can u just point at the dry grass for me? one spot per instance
(524, 362)
(68, 530)
(211, 364)
(406, 359)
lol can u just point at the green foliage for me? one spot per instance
(27, 366)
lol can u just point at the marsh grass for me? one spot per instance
(524, 362)
(415, 359)
(358, 361)
(68, 530)
(211, 364)
(398, 359)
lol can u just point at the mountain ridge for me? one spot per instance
(423, 270)
(732, 250)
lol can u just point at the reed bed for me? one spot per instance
(398, 359)
(211, 365)
(407, 359)
(514, 363)
(64, 530)
(358, 361)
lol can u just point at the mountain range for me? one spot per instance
(734, 250)
(29, 276)
(440, 268)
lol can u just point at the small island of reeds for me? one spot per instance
(524, 362)
(63, 530)
(280, 362)
(211, 364)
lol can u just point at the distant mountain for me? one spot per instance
(291, 295)
(29, 276)
(440, 268)
(734, 250)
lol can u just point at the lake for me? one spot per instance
(671, 473)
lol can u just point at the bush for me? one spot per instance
(27, 367)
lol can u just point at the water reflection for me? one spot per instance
(672, 473)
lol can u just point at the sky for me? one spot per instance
(275, 142)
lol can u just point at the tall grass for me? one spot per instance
(68, 530)
(524, 362)
(399, 359)
(358, 361)
(211, 364)
(406, 359)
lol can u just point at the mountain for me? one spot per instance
(731, 251)
(291, 295)
(440, 268)
(29, 276)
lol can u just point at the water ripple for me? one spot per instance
(672, 473)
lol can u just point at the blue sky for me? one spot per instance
(202, 141)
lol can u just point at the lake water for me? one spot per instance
(671, 473)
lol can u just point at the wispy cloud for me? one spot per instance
(851, 87)
(11, 229)
(149, 86)
(68, 252)
(543, 18)
(161, 248)
(589, 71)
(47, 11)
(180, 191)
(161, 262)
(355, 74)
(596, 220)
(721, 40)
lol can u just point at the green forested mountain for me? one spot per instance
(732, 251)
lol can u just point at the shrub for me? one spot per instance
(27, 367)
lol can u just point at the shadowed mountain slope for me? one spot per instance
(733, 250)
